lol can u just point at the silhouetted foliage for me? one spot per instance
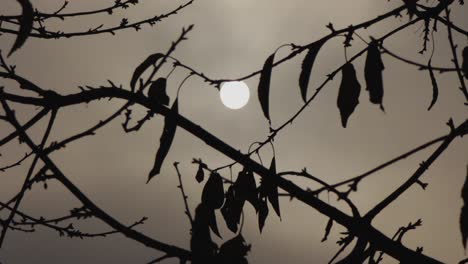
(307, 65)
(373, 74)
(370, 244)
(264, 86)
(348, 95)
(165, 141)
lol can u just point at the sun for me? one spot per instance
(235, 94)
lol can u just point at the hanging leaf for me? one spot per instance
(202, 246)
(307, 65)
(435, 87)
(464, 213)
(273, 189)
(212, 222)
(465, 62)
(348, 95)
(26, 25)
(213, 192)
(232, 209)
(234, 251)
(264, 86)
(200, 174)
(262, 213)
(151, 60)
(245, 188)
(269, 190)
(165, 141)
(327, 229)
(157, 91)
(373, 74)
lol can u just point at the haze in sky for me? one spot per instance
(232, 39)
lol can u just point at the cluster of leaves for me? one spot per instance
(348, 96)
(231, 204)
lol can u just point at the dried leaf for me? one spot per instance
(26, 25)
(465, 62)
(167, 136)
(213, 192)
(264, 86)
(202, 246)
(234, 251)
(435, 87)
(245, 188)
(212, 222)
(373, 74)
(273, 189)
(327, 229)
(348, 95)
(232, 209)
(157, 91)
(262, 213)
(200, 174)
(464, 213)
(307, 65)
(152, 59)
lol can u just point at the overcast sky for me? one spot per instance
(231, 39)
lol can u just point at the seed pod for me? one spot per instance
(373, 74)
(465, 62)
(348, 95)
(157, 91)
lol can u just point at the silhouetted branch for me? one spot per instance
(455, 57)
(356, 227)
(355, 180)
(43, 33)
(459, 131)
(172, 250)
(184, 196)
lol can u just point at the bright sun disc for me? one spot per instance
(234, 95)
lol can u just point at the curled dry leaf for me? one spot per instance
(234, 251)
(157, 91)
(26, 25)
(373, 74)
(245, 188)
(262, 213)
(202, 246)
(465, 62)
(464, 212)
(327, 229)
(212, 222)
(264, 86)
(166, 139)
(435, 87)
(213, 192)
(232, 209)
(269, 190)
(200, 174)
(151, 60)
(348, 95)
(307, 65)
